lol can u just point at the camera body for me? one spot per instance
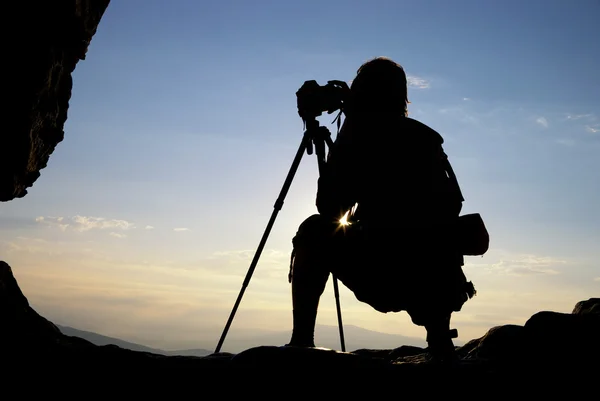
(314, 99)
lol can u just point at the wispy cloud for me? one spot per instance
(181, 229)
(579, 116)
(528, 265)
(542, 121)
(586, 121)
(417, 82)
(592, 129)
(84, 223)
(596, 278)
(53, 221)
(149, 228)
(117, 235)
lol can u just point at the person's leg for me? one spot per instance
(439, 338)
(436, 320)
(446, 294)
(308, 276)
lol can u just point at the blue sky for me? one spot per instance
(182, 127)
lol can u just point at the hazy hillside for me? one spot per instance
(325, 336)
(99, 339)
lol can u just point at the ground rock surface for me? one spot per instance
(550, 345)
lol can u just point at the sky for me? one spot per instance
(183, 125)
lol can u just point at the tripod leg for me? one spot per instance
(277, 207)
(336, 292)
(324, 138)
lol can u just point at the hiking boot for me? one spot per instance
(440, 345)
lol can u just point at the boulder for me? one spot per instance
(47, 39)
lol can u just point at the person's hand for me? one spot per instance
(341, 84)
(345, 91)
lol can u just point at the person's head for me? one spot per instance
(380, 85)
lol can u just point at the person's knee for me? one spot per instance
(311, 232)
(314, 223)
(309, 265)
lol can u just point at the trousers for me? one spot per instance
(388, 272)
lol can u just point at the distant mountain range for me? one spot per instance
(325, 336)
(99, 339)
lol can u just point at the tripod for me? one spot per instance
(314, 135)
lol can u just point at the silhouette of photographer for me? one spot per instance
(401, 244)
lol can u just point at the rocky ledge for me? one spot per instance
(550, 346)
(44, 42)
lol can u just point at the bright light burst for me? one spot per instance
(344, 219)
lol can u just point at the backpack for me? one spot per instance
(472, 237)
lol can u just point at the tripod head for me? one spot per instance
(314, 99)
(316, 136)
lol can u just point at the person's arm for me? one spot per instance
(336, 186)
(334, 198)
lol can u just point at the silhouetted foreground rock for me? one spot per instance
(46, 40)
(549, 345)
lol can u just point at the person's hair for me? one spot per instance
(380, 85)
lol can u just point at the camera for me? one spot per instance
(313, 99)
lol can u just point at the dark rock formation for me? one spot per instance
(550, 346)
(47, 40)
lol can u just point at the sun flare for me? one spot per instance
(344, 219)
